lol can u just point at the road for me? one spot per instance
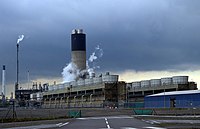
(114, 122)
(117, 122)
(110, 122)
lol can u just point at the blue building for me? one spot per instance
(174, 99)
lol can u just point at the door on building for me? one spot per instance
(172, 102)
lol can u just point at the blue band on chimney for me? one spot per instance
(78, 42)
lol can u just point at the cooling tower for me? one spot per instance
(78, 48)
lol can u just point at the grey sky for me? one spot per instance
(142, 35)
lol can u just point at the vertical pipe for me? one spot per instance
(82, 100)
(3, 80)
(91, 100)
(17, 83)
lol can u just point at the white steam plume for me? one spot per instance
(92, 57)
(21, 37)
(98, 53)
(70, 72)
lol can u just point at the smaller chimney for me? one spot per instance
(3, 90)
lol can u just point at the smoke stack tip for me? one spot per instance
(77, 31)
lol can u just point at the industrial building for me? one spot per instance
(25, 97)
(87, 90)
(105, 90)
(138, 90)
(92, 92)
(174, 99)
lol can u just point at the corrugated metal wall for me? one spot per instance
(177, 101)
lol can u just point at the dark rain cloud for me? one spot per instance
(138, 34)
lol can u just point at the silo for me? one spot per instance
(73, 83)
(180, 80)
(136, 84)
(155, 82)
(81, 82)
(55, 87)
(51, 88)
(78, 48)
(145, 83)
(128, 85)
(67, 84)
(166, 81)
(97, 80)
(60, 86)
(110, 78)
(89, 81)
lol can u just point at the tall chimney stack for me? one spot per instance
(3, 90)
(78, 48)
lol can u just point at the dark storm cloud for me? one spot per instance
(135, 34)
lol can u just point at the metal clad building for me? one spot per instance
(178, 99)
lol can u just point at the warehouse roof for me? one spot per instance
(176, 93)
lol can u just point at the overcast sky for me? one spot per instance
(135, 35)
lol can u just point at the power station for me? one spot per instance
(90, 90)
(105, 90)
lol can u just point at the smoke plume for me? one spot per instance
(71, 72)
(98, 53)
(21, 37)
(92, 63)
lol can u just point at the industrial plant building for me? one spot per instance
(92, 92)
(104, 90)
(138, 90)
(107, 91)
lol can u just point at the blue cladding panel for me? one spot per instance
(181, 101)
(78, 42)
